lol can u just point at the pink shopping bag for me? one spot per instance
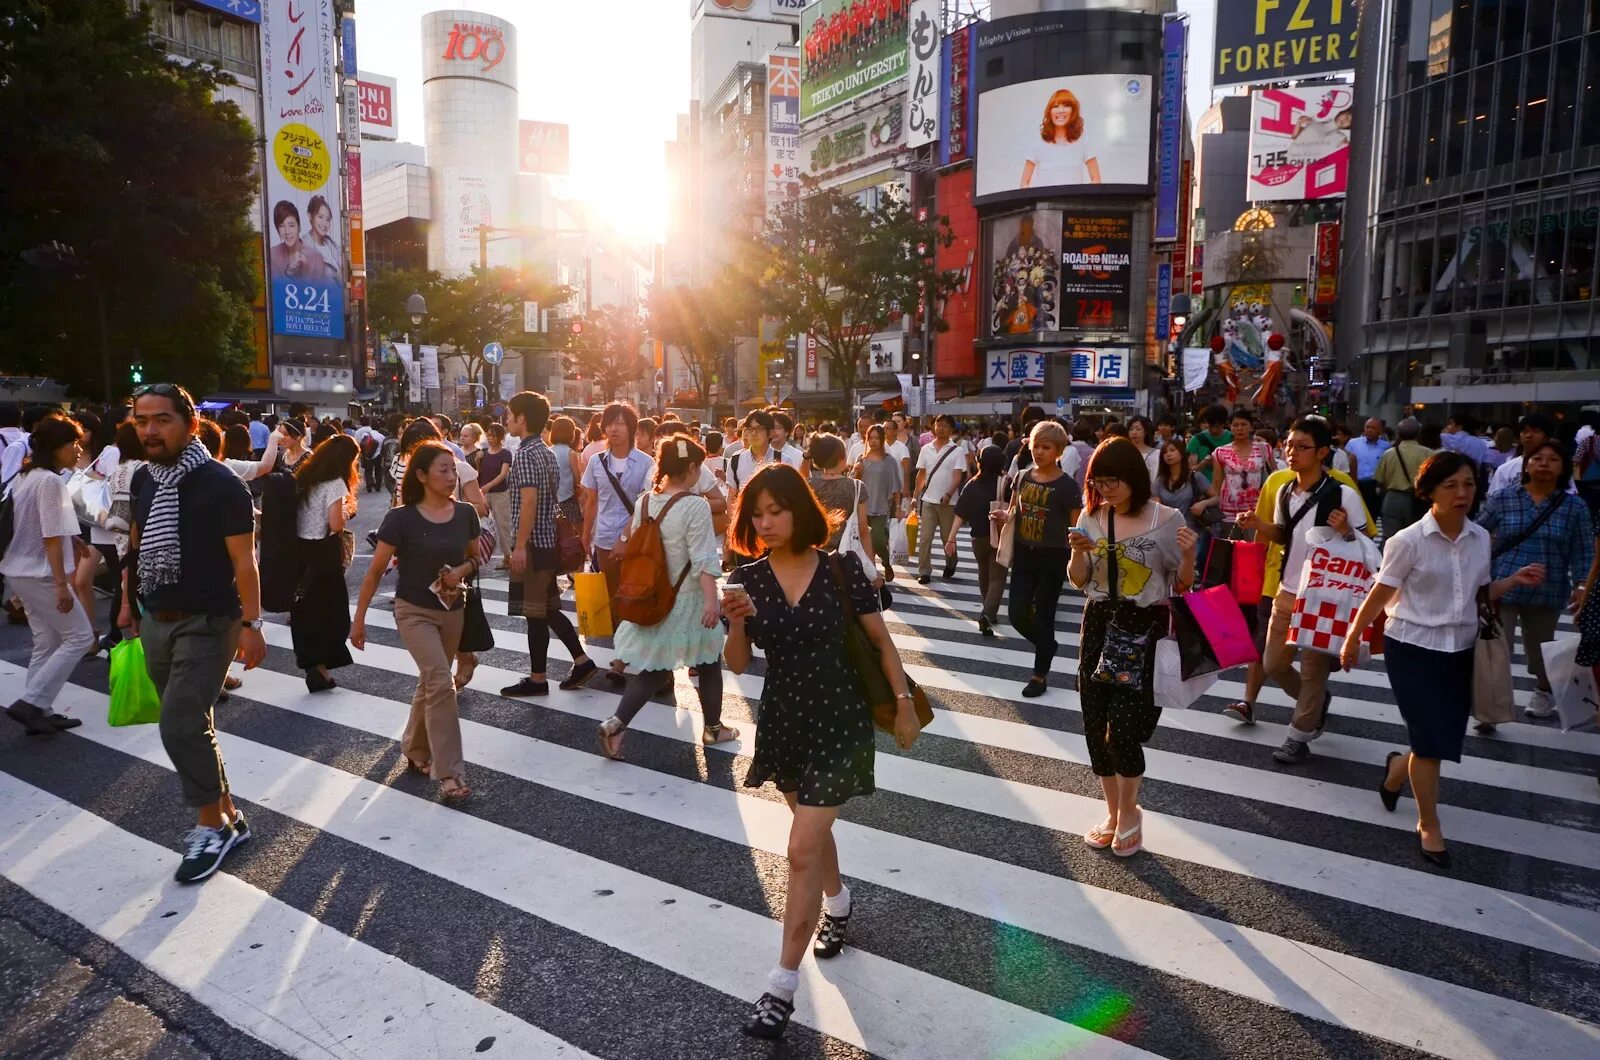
(1222, 622)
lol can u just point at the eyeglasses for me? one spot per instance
(1300, 447)
(1104, 485)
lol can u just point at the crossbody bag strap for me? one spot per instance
(937, 464)
(1113, 566)
(1311, 502)
(836, 571)
(1533, 528)
(616, 484)
(660, 517)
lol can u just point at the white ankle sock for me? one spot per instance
(782, 983)
(837, 904)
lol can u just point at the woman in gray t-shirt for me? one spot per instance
(880, 473)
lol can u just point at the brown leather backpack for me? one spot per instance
(645, 589)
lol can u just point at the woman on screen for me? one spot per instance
(320, 215)
(1065, 159)
(293, 256)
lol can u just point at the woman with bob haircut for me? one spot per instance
(815, 739)
(325, 489)
(1129, 554)
(1428, 585)
(1065, 158)
(1043, 500)
(435, 538)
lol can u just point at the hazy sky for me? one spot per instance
(618, 73)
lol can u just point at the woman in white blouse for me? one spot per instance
(325, 487)
(35, 567)
(1429, 586)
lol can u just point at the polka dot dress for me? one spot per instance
(814, 736)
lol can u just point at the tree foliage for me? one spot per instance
(830, 267)
(469, 312)
(128, 158)
(702, 323)
(387, 291)
(610, 351)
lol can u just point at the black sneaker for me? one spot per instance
(1034, 688)
(579, 676)
(923, 579)
(1293, 752)
(241, 830)
(830, 935)
(1241, 712)
(203, 851)
(30, 717)
(528, 687)
(770, 1018)
(61, 722)
(950, 570)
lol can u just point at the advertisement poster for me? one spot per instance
(249, 10)
(543, 147)
(1275, 40)
(958, 106)
(376, 95)
(1326, 281)
(1096, 270)
(1299, 143)
(1100, 367)
(300, 105)
(922, 100)
(1065, 132)
(468, 200)
(1169, 149)
(1016, 368)
(783, 129)
(848, 48)
(1024, 288)
(878, 131)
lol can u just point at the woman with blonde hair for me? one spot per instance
(1065, 157)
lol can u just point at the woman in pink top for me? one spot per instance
(1239, 470)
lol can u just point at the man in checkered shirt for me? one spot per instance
(534, 594)
(1312, 499)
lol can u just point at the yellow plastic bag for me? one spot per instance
(912, 525)
(594, 605)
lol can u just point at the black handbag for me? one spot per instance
(476, 633)
(1125, 655)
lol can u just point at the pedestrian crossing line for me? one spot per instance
(1429, 897)
(1554, 783)
(1416, 1011)
(890, 1009)
(1511, 835)
(261, 966)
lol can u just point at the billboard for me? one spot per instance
(783, 129)
(300, 106)
(848, 48)
(1024, 277)
(760, 10)
(876, 133)
(248, 10)
(1299, 143)
(1096, 269)
(470, 198)
(379, 119)
(922, 92)
(1325, 280)
(1015, 368)
(543, 147)
(958, 113)
(1275, 40)
(1064, 132)
(1169, 144)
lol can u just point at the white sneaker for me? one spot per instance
(1540, 705)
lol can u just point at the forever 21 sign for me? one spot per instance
(475, 43)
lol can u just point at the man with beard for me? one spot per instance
(195, 579)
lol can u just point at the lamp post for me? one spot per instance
(416, 309)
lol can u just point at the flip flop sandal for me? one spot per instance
(1098, 837)
(1128, 852)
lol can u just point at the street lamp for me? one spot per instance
(416, 308)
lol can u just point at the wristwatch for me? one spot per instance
(255, 624)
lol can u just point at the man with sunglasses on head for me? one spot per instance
(192, 569)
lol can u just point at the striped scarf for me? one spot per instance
(160, 555)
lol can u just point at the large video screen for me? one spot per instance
(1065, 133)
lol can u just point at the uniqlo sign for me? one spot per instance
(376, 96)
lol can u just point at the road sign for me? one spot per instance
(494, 353)
(1061, 405)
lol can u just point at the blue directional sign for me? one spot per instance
(494, 353)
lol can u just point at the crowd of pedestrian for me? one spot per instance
(715, 541)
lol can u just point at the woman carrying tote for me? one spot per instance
(1242, 468)
(1129, 554)
(815, 739)
(1432, 574)
(435, 538)
(325, 487)
(977, 499)
(690, 635)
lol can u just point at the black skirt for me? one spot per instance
(320, 618)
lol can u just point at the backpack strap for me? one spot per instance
(657, 518)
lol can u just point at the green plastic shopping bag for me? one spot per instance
(134, 699)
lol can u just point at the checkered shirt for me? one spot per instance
(534, 467)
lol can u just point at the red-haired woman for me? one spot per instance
(1063, 156)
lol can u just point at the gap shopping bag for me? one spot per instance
(134, 699)
(1171, 688)
(594, 604)
(1571, 686)
(1334, 583)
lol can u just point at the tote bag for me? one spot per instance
(1571, 686)
(594, 604)
(1172, 689)
(850, 536)
(1216, 614)
(1492, 701)
(1334, 582)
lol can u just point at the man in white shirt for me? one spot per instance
(756, 452)
(782, 427)
(1534, 430)
(940, 468)
(1313, 499)
(857, 446)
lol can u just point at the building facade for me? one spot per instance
(1476, 203)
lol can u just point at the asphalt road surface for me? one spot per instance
(578, 907)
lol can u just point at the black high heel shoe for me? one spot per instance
(315, 682)
(1437, 858)
(1391, 799)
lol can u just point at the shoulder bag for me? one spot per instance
(1492, 699)
(867, 663)
(937, 464)
(850, 535)
(1125, 655)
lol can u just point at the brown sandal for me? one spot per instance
(712, 735)
(466, 666)
(606, 731)
(454, 789)
(425, 768)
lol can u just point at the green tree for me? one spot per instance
(830, 267)
(130, 160)
(469, 312)
(701, 323)
(387, 291)
(610, 350)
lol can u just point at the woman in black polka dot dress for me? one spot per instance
(814, 735)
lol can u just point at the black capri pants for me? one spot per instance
(1116, 721)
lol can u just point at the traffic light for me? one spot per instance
(576, 328)
(136, 374)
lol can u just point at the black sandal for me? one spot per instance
(770, 1018)
(1035, 687)
(830, 935)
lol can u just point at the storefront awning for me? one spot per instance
(880, 397)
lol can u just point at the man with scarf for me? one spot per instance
(195, 579)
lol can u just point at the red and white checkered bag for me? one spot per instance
(1334, 583)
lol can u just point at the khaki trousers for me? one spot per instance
(433, 732)
(500, 508)
(944, 517)
(1309, 685)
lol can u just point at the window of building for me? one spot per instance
(1433, 132)
(1535, 104)
(1541, 23)
(1485, 33)
(1512, 24)
(1564, 97)
(1508, 96)
(1569, 18)
(1478, 118)
(1589, 119)
(1457, 125)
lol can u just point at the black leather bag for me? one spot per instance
(476, 633)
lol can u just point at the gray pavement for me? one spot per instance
(580, 907)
